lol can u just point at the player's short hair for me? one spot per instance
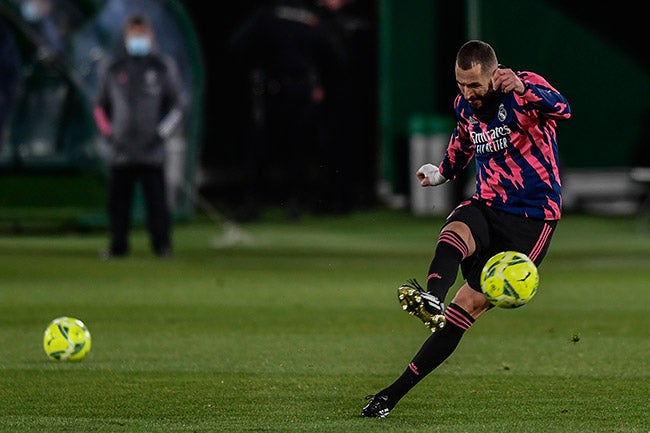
(475, 52)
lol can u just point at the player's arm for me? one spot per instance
(545, 98)
(506, 80)
(456, 159)
(429, 175)
(458, 155)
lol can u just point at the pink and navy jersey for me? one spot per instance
(516, 153)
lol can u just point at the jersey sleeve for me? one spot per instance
(544, 97)
(460, 149)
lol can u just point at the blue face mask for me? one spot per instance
(138, 45)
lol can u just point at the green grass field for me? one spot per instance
(290, 332)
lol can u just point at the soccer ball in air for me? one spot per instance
(509, 279)
(66, 339)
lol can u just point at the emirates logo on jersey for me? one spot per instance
(492, 140)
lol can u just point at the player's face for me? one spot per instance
(474, 85)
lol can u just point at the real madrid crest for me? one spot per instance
(502, 113)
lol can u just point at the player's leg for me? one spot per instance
(462, 232)
(531, 237)
(469, 303)
(455, 243)
(467, 306)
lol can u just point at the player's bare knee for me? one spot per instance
(463, 230)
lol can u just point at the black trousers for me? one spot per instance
(121, 191)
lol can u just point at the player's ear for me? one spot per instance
(492, 86)
(499, 66)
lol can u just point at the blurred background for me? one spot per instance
(387, 107)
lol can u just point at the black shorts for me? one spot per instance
(495, 231)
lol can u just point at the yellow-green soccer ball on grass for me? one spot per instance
(66, 339)
(509, 279)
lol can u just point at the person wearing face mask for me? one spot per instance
(140, 103)
(50, 35)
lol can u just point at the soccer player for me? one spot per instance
(506, 121)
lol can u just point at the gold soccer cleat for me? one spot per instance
(421, 304)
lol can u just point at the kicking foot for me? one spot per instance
(422, 304)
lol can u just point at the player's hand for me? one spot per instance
(507, 81)
(429, 175)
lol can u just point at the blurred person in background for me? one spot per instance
(294, 60)
(351, 107)
(50, 29)
(45, 104)
(139, 105)
(9, 77)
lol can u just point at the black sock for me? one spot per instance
(443, 270)
(438, 347)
